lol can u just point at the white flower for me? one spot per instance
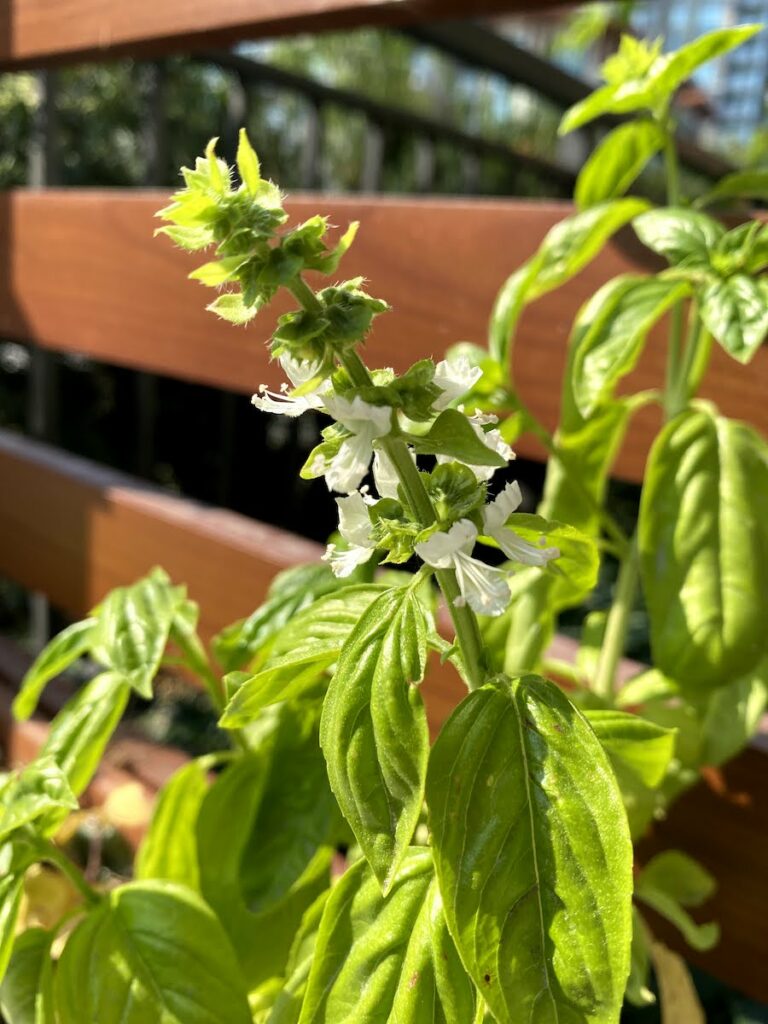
(355, 528)
(284, 404)
(482, 587)
(454, 379)
(365, 423)
(385, 475)
(495, 516)
(491, 439)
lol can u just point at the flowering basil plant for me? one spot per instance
(488, 876)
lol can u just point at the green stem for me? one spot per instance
(304, 294)
(617, 624)
(53, 855)
(464, 619)
(629, 570)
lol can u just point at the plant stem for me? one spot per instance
(614, 640)
(617, 624)
(304, 294)
(53, 855)
(464, 619)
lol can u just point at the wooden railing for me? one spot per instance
(80, 273)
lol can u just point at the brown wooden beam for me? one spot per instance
(80, 272)
(37, 32)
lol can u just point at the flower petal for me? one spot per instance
(357, 415)
(385, 476)
(344, 562)
(279, 403)
(519, 550)
(347, 469)
(441, 548)
(497, 512)
(454, 378)
(483, 588)
(354, 521)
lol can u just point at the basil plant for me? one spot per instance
(333, 865)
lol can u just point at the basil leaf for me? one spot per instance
(11, 889)
(638, 987)
(287, 1005)
(610, 332)
(243, 832)
(735, 312)
(704, 549)
(738, 185)
(374, 731)
(33, 794)
(531, 847)
(675, 68)
(733, 716)
(451, 434)
(65, 648)
(82, 729)
(566, 249)
(133, 627)
(380, 959)
(169, 848)
(26, 994)
(672, 881)
(642, 746)
(290, 592)
(151, 950)
(683, 237)
(617, 161)
(303, 650)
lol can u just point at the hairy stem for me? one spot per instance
(617, 624)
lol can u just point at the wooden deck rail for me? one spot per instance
(34, 32)
(80, 272)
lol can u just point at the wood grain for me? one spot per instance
(33, 32)
(80, 272)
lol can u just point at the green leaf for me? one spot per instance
(452, 435)
(11, 889)
(303, 650)
(681, 876)
(169, 848)
(290, 592)
(240, 843)
(610, 332)
(574, 572)
(231, 307)
(65, 648)
(643, 747)
(675, 68)
(683, 237)
(638, 987)
(737, 185)
(133, 627)
(617, 161)
(248, 164)
(704, 549)
(81, 730)
(532, 848)
(381, 959)
(735, 312)
(671, 881)
(733, 716)
(151, 951)
(374, 731)
(34, 792)
(287, 1006)
(567, 248)
(26, 994)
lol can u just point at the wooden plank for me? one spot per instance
(722, 824)
(80, 271)
(74, 530)
(34, 32)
